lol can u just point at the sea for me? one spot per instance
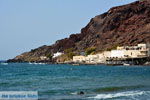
(84, 82)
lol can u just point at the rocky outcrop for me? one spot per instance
(123, 25)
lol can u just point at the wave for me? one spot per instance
(37, 63)
(111, 89)
(74, 93)
(121, 94)
(4, 64)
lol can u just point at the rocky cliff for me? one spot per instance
(123, 25)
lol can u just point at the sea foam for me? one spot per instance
(121, 94)
(4, 63)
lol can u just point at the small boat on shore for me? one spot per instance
(75, 64)
(126, 64)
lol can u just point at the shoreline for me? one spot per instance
(78, 64)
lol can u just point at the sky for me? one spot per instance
(28, 24)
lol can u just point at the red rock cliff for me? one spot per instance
(123, 25)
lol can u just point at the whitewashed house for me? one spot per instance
(79, 59)
(92, 59)
(57, 54)
(43, 58)
(139, 51)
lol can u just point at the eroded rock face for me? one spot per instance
(123, 25)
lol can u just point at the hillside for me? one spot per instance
(123, 25)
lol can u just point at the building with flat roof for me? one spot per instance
(121, 53)
(92, 59)
(79, 59)
(139, 51)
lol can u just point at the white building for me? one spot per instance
(79, 59)
(43, 58)
(57, 54)
(103, 56)
(117, 53)
(139, 51)
(92, 59)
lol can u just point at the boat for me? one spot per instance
(126, 64)
(75, 64)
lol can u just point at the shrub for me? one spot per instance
(49, 55)
(89, 51)
(70, 55)
(112, 48)
(68, 50)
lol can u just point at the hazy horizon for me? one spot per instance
(28, 24)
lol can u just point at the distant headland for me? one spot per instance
(126, 25)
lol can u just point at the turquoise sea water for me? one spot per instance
(64, 82)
